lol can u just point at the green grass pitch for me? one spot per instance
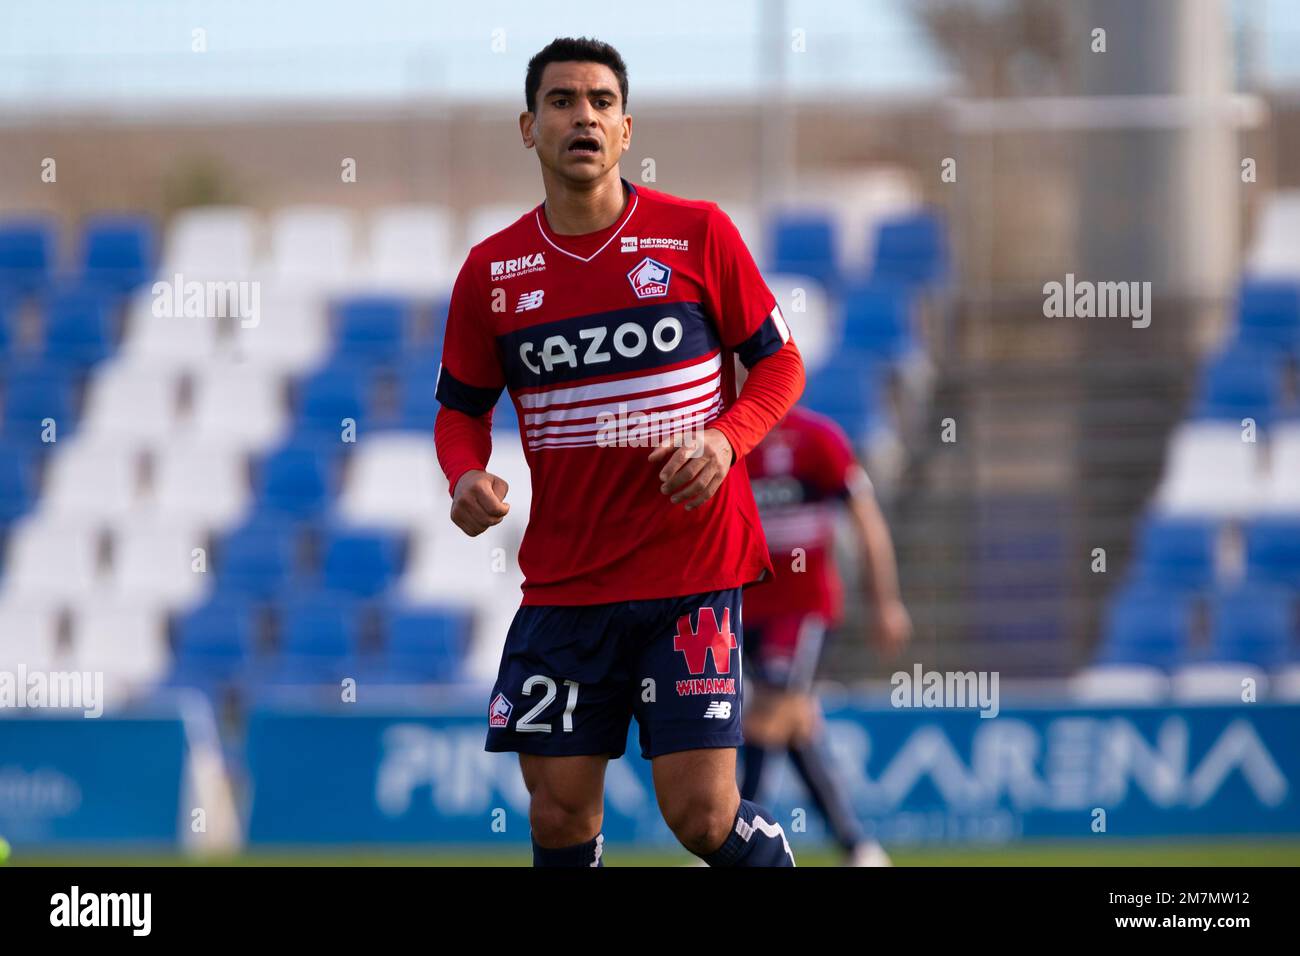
(1101, 852)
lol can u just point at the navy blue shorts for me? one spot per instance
(572, 677)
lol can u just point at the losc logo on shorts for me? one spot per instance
(499, 712)
(650, 278)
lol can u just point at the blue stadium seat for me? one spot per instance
(1268, 314)
(1146, 625)
(214, 643)
(8, 320)
(1252, 624)
(339, 391)
(850, 390)
(877, 320)
(35, 391)
(79, 326)
(319, 636)
(911, 249)
(17, 483)
(258, 560)
(1273, 550)
(372, 328)
(361, 563)
(1241, 382)
(118, 251)
(297, 481)
(1176, 553)
(26, 254)
(803, 243)
(424, 645)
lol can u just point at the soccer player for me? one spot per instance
(803, 473)
(614, 314)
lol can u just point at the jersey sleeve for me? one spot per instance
(842, 475)
(744, 308)
(470, 377)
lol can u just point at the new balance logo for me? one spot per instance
(706, 638)
(530, 300)
(721, 709)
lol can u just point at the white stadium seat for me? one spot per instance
(1210, 471)
(239, 406)
(448, 566)
(28, 635)
(486, 220)
(292, 333)
(812, 328)
(393, 481)
(201, 483)
(314, 246)
(177, 340)
(1275, 251)
(132, 400)
(211, 242)
(412, 250)
(51, 559)
(153, 563)
(92, 478)
(127, 642)
(1282, 485)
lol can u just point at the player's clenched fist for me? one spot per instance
(693, 468)
(479, 502)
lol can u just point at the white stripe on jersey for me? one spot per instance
(706, 390)
(648, 430)
(565, 394)
(779, 321)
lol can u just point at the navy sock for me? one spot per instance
(828, 796)
(591, 853)
(752, 775)
(756, 839)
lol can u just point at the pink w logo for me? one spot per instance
(696, 644)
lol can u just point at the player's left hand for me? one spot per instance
(893, 629)
(694, 467)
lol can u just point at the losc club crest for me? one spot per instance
(499, 712)
(649, 278)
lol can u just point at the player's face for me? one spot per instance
(579, 129)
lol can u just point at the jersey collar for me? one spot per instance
(544, 228)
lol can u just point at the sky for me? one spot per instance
(140, 51)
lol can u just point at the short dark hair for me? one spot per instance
(573, 50)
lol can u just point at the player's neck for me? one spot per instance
(575, 211)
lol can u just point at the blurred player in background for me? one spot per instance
(803, 473)
(604, 305)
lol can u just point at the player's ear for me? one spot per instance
(627, 131)
(526, 120)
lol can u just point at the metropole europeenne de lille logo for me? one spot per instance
(650, 278)
(696, 643)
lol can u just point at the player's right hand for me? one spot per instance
(479, 502)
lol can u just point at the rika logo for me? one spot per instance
(509, 268)
(499, 712)
(696, 644)
(649, 278)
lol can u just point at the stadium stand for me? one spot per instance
(244, 493)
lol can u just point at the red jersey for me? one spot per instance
(605, 342)
(802, 473)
